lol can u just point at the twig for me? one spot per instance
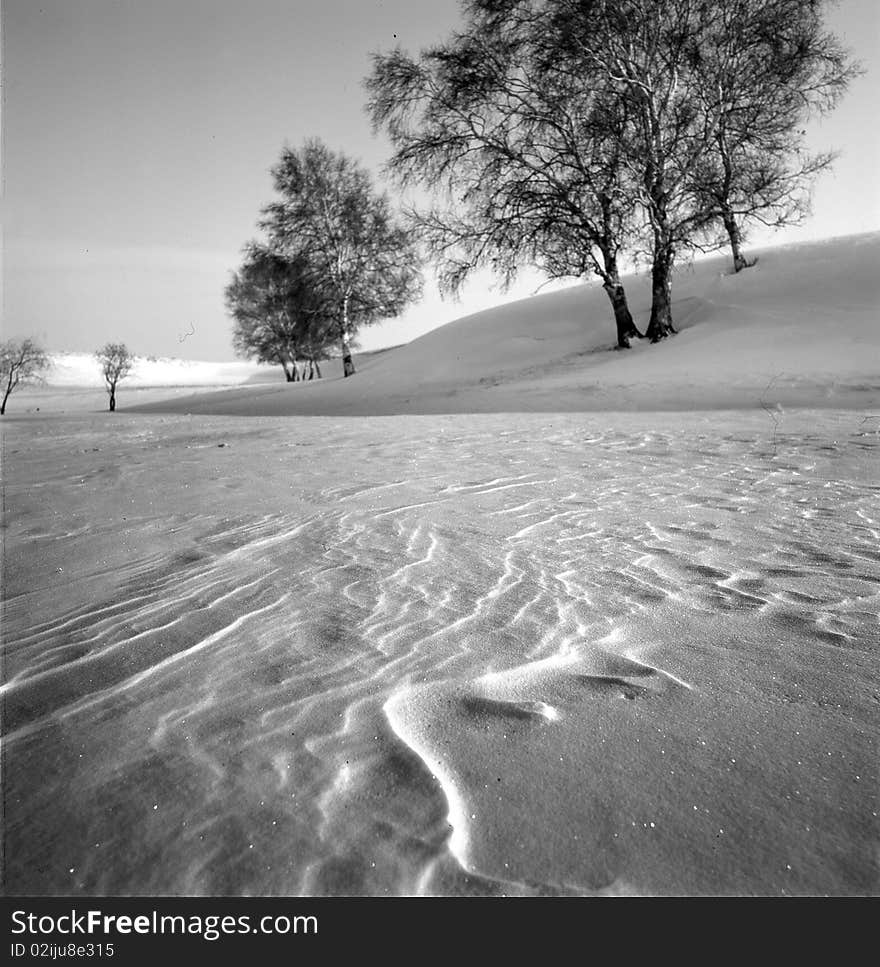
(771, 413)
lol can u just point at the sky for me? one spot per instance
(137, 139)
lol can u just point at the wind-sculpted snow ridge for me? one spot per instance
(541, 654)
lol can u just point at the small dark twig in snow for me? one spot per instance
(770, 412)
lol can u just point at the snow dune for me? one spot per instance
(468, 652)
(558, 653)
(74, 384)
(799, 328)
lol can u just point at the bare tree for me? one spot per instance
(768, 68)
(116, 363)
(362, 265)
(718, 91)
(21, 361)
(641, 53)
(524, 151)
(563, 132)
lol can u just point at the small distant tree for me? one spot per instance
(21, 361)
(116, 363)
(362, 265)
(278, 317)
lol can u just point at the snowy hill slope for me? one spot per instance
(799, 328)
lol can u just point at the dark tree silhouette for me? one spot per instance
(116, 363)
(524, 150)
(277, 314)
(641, 53)
(714, 91)
(362, 265)
(563, 131)
(21, 361)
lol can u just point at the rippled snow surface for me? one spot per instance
(496, 654)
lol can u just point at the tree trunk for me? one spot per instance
(112, 399)
(660, 324)
(626, 328)
(10, 386)
(285, 366)
(733, 233)
(347, 361)
(317, 368)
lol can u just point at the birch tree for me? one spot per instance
(278, 317)
(21, 361)
(718, 93)
(116, 363)
(769, 66)
(362, 263)
(521, 154)
(569, 132)
(641, 53)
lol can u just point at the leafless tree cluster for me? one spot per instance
(277, 317)
(565, 133)
(336, 260)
